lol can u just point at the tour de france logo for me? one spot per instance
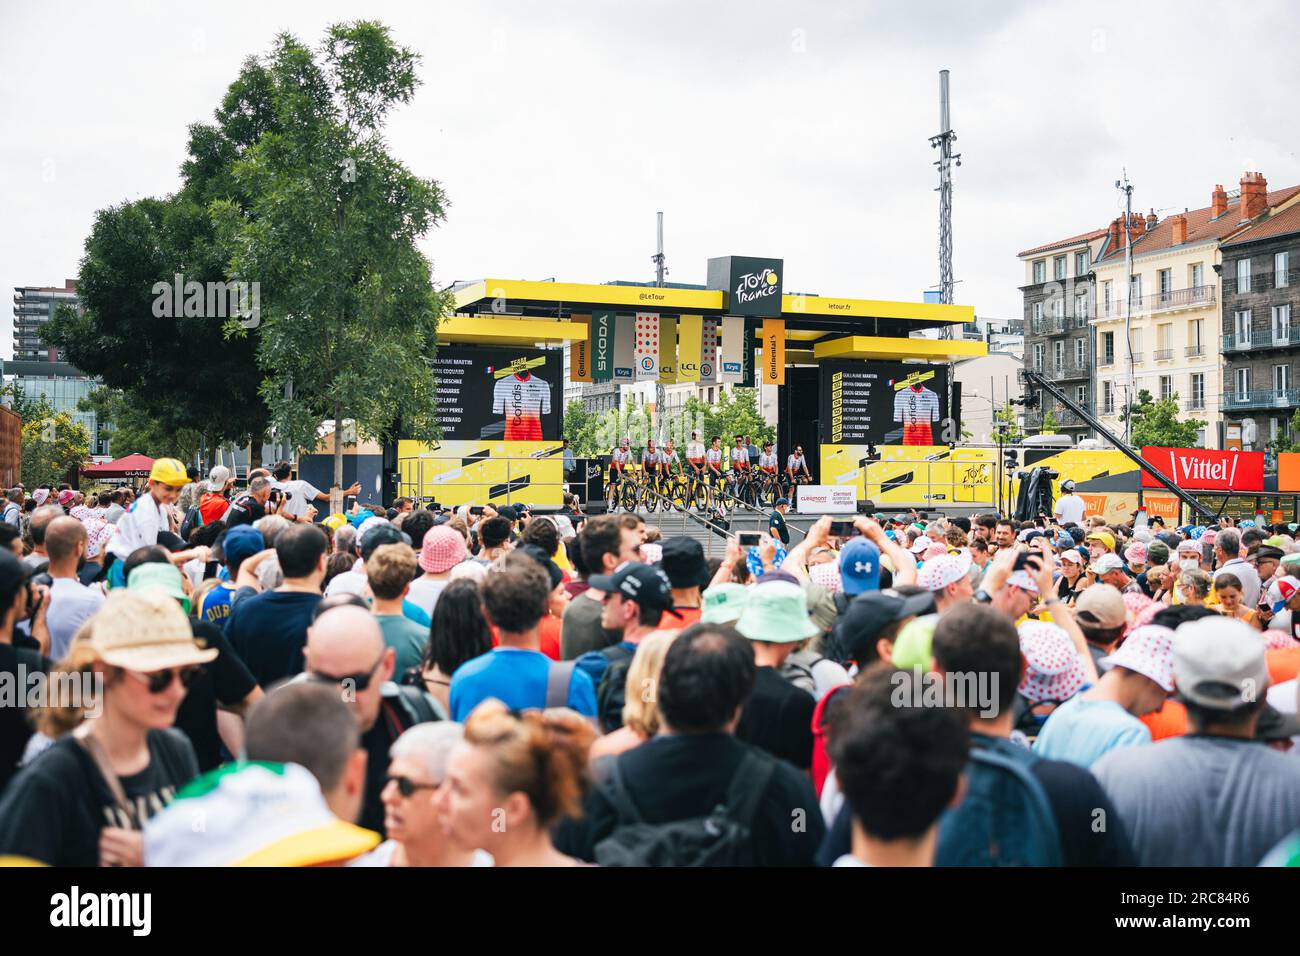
(756, 285)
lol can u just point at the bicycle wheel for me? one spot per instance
(699, 494)
(649, 494)
(629, 496)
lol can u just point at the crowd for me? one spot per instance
(493, 685)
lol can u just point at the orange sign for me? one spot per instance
(1118, 507)
(1288, 472)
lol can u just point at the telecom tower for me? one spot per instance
(943, 142)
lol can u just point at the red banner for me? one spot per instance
(1203, 469)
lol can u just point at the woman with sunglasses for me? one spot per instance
(512, 778)
(116, 761)
(417, 772)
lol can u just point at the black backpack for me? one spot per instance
(723, 838)
(612, 692)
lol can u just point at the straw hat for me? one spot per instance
(144, 631)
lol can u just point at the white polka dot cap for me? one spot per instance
(1149, 651)
(1053, 671)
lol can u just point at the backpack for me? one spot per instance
(612, 692)
(1005, 818)
(723, 838)
(403, 706)
(193, 519)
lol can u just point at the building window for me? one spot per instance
(1198, 390)
(1108, 348)
(1134, 289)
(1080, 347)
(1195, 329)
(1058, 308)
(1166, 387)
(1081, 263)
(1281, 324)
(1081, 395)
(1040, 271)
(1058, 267)
(1166, 281)
(1038, 356)
(1105, 291)
(1242, 329)
(1281, 263)
(1241, 378)
(1081, 309)
(1198, 274)
(1243, 275)
(1281, 380)
(1037, 310)
(1107, 398)
(1060, 356)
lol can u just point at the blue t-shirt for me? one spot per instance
(216, 605)
(595, 663)
(413, 612)
(1080, 731)
(517, 678)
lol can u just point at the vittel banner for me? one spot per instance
(1203, 469)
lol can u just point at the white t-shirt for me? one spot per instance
(425, 593)
(382, 855)
(138, 527)
(1069, 509)
(304, 496)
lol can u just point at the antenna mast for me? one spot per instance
(944, 142)
(660, 271)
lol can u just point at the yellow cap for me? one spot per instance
(169, 471)
(334, 522)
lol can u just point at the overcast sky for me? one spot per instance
(792, 130)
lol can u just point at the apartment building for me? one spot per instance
(1261, 329)
(1058, 302)
(1158, 328)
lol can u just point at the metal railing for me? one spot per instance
(668, 510)
(1195, 297)
(1194, 351)
(1262, 339)
(1163, 355)
(1262, 398)
(1261, 281)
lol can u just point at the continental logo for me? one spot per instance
(753, 286)
(773, 372)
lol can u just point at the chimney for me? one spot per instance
(1254, 195)
(1218, 201)
(1137, 226)
(1113, 241)
(1151, 220)
(1179, 222)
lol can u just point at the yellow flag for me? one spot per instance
(580, 351)
(690, 335)
(773, 371)
(667, 351)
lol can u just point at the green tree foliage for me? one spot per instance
(1050, 424)
(1156, 423)
(53, 444)
(349, 315)
(135, 430)
(736, 413)
(583, 430)
(1005, 420)
(1289, 442)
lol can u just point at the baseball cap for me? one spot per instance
(647, 586)
(1281, 591)
(782, 501)
(1073, 556)
(682, 559)
(1107, 562)
(1190, 547)
(868, 614)
(1101, 605)
(1022, 580)
(240, 543)
(723, 603)
(1105, 537)
(939, 572)
(1149, 651)
(156, 576)
(65, 496)
(169, 471)
(913, 648)
(442, 549)
(1053, 671)
(920, 545)
(218, 477)
(509, 512)
(859, 566)
(1157, 553)
(777, 612)
(1219, 663)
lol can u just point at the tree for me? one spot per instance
(1289, 441)
(53, 444)
(135, 430)
(583, 430)
(1005, 419)
(1050, 424)
(1156, 423)
(736, 413)
(349, 316)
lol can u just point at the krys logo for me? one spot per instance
(753, 286)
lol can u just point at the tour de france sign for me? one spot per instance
(753, 285)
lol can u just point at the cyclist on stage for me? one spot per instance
(668, 459)
(739, 458)
(619, 459)
(713, 459)
(767, 462)
(796, 464)
(650, 459)
(695, 455)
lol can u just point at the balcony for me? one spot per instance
(1194, 405)
(1194, 351)
(1197, 297)
(1162, 355)
(1266, 339)
(1261, 398)
(1058, 373)
(1064, 417)
(1260, 281)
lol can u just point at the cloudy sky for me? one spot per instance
(794, 130)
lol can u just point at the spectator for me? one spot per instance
(1234, 799)
(237, 545)
(512, 779)
(459, 633)
(517, 672)
(442, 549)
(682, 559)
(1227, 552)
(641, 719)
(604, 544)
(268, 630)
(389, 571)
(17, 662)
(1103, 619)
(494, 535)
(899, 768)
(71, 603)
(62, 809)
(697, 765)
(41, 518)
(1230, 590)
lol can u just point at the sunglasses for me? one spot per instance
(407, 787)
(159, 681)
(359, 681)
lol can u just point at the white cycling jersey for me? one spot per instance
(695, 451)
(621, 456)
(795, 463)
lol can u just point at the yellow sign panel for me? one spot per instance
(467, 472)
(580, 352)
(690, 334)
(667, 350)
(773, 370)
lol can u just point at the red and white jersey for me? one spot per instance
(914, 406)
(714, 456)
(767, 462)
(621, 456)
(695, 451)
(650, 457)
(667, 457)
(523, 400)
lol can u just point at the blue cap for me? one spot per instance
(782, 501)
(860, 566)
(240, 542)
(1195, 533)
(1065, 541)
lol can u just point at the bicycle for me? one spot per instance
(769, 489)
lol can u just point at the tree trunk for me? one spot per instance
(254, 454)
(338, 444)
